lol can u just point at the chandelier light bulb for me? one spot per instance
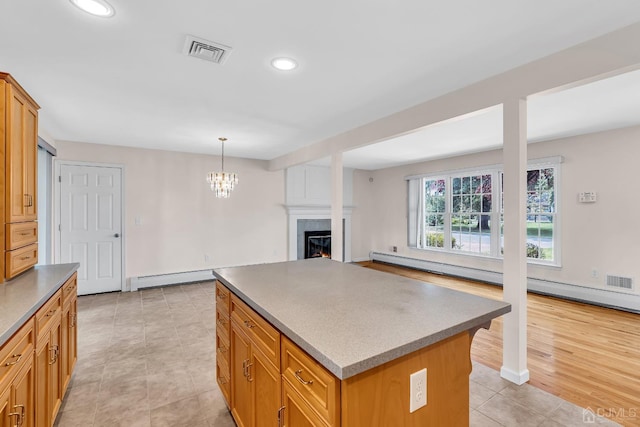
(222, 183)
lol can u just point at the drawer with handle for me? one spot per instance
(222, 297)
(20, 234)
(15, 352)
(19, 260)
(47, 313)
(265, 336)
(317, 386)
(70, 288)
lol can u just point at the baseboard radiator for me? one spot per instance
(170, 279)
(601, 297)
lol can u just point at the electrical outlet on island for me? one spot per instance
(418, 390)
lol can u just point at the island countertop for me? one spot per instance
(350, 318)
(21, 297)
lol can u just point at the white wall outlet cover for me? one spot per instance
(417, 390)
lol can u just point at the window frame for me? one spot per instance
(496, 171)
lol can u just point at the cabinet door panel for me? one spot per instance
(22, 391)
(297, 413)
(5, 408)
(65, 338)
(266, 381)
(43, 382)
(56, 371)
(241, 405)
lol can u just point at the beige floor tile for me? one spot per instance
(509, 413)
(185, 412)
(488, 377)
(476, 419)
(83, 397)
(478, 394)
(533, 398)
(79, 417)
(124, 370)
(169, 386)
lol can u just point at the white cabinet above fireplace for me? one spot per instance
(311, 185)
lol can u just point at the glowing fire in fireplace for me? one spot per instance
(318, 244)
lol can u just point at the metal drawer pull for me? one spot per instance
(249, 324)
(54, 358)
(280, 416)
(15, 362)
(20, 415)
(244, 367)
(24, 258)
(24, 234)
(299, 378)
(249, 365)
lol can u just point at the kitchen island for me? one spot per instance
(319, 342)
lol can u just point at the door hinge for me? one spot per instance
(59, 178)
(59, 227)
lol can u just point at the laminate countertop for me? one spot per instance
(22, 296)
(352, 319)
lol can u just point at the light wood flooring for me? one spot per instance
(581, 353)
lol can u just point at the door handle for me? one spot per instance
(116, 235)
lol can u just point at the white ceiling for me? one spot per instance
(125, 81)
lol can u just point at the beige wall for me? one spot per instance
(181, 220)
(602, 236)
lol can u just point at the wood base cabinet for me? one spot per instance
(36, 363)
(48, 376)
(256, 382)
(17, 378)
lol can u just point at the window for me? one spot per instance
(541, 213)
(456, 213)
(471, 214)
(434, 212)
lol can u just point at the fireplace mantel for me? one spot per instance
(296, 212)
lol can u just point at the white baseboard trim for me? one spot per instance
(601, 297)
(170, 279)
(517, 378)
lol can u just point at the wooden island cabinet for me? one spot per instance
(319, 343)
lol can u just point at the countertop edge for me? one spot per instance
(73, 267)
(346, 372)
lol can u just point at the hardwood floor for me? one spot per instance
(584, 354)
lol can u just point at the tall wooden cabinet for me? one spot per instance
(18, 152)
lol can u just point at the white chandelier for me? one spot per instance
(222, 183)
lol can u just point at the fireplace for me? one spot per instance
(317, 244)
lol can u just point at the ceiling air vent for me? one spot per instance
(207, 50)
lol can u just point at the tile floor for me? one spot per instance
(148, 359)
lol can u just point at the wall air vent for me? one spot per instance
(619, 282)
(205, 49)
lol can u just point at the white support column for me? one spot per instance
(514, 352)
(336, 206)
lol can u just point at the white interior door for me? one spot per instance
(91, 225)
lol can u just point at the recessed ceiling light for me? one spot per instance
(284, 64)
(95, 7)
